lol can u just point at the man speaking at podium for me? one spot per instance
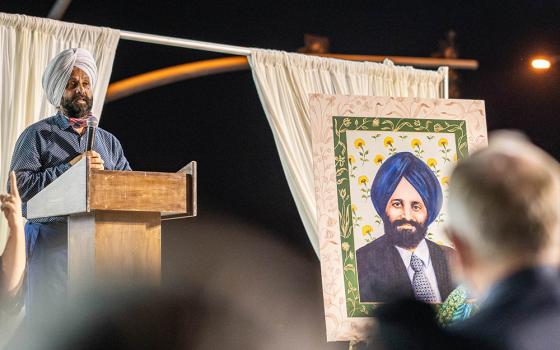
(43, 152)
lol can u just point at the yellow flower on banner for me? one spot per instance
(415, 143)
(345, 246)
(354, 208)
(351, 159)
(445, 180)
(363, 180)
(359, 143)
(378, 159)
(366, 230)
(442, 142)
(388, 141)
(431, 162)
(455, 157)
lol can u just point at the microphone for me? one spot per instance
(90, 131)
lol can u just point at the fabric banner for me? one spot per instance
(381, 168)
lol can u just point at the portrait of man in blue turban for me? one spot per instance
(408, 197)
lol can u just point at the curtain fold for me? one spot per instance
(284, 82)
(27, 45)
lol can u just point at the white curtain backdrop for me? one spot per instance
(284, 81)
(27, 44)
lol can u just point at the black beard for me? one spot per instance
(404, 238)
(73, 109)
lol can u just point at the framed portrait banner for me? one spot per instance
(382, 166)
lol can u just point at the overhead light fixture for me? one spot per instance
(541, 63)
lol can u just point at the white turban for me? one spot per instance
(59, 69)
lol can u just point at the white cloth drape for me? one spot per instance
(284, 81)
(27, 45)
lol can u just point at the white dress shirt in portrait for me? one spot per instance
(423, 253)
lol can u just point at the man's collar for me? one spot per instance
(64, 122)
(61, 120)
(421, 251)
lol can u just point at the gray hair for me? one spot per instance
(504, 200)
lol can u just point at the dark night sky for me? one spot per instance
(219, 121)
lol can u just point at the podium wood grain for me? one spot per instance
(137, 191)
(108, 246)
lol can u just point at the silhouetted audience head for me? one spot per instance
(503, 209)
(132, 318)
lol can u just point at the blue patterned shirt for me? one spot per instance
(44, 150)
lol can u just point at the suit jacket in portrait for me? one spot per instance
(382, 275)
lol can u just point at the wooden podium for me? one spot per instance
(114, 219)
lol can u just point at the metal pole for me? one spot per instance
(445, 87)
(187, 43)
(59, 9)
(428, 62)
(244, 51)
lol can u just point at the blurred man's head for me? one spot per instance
(503, 209)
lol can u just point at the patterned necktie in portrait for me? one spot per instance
(422, 289)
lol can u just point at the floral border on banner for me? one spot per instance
(322, 108)
(346, 166)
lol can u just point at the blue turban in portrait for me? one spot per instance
(415, 171)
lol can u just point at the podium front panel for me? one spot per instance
(137, 191)
(114, 247)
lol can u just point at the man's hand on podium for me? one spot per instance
(95, 161)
